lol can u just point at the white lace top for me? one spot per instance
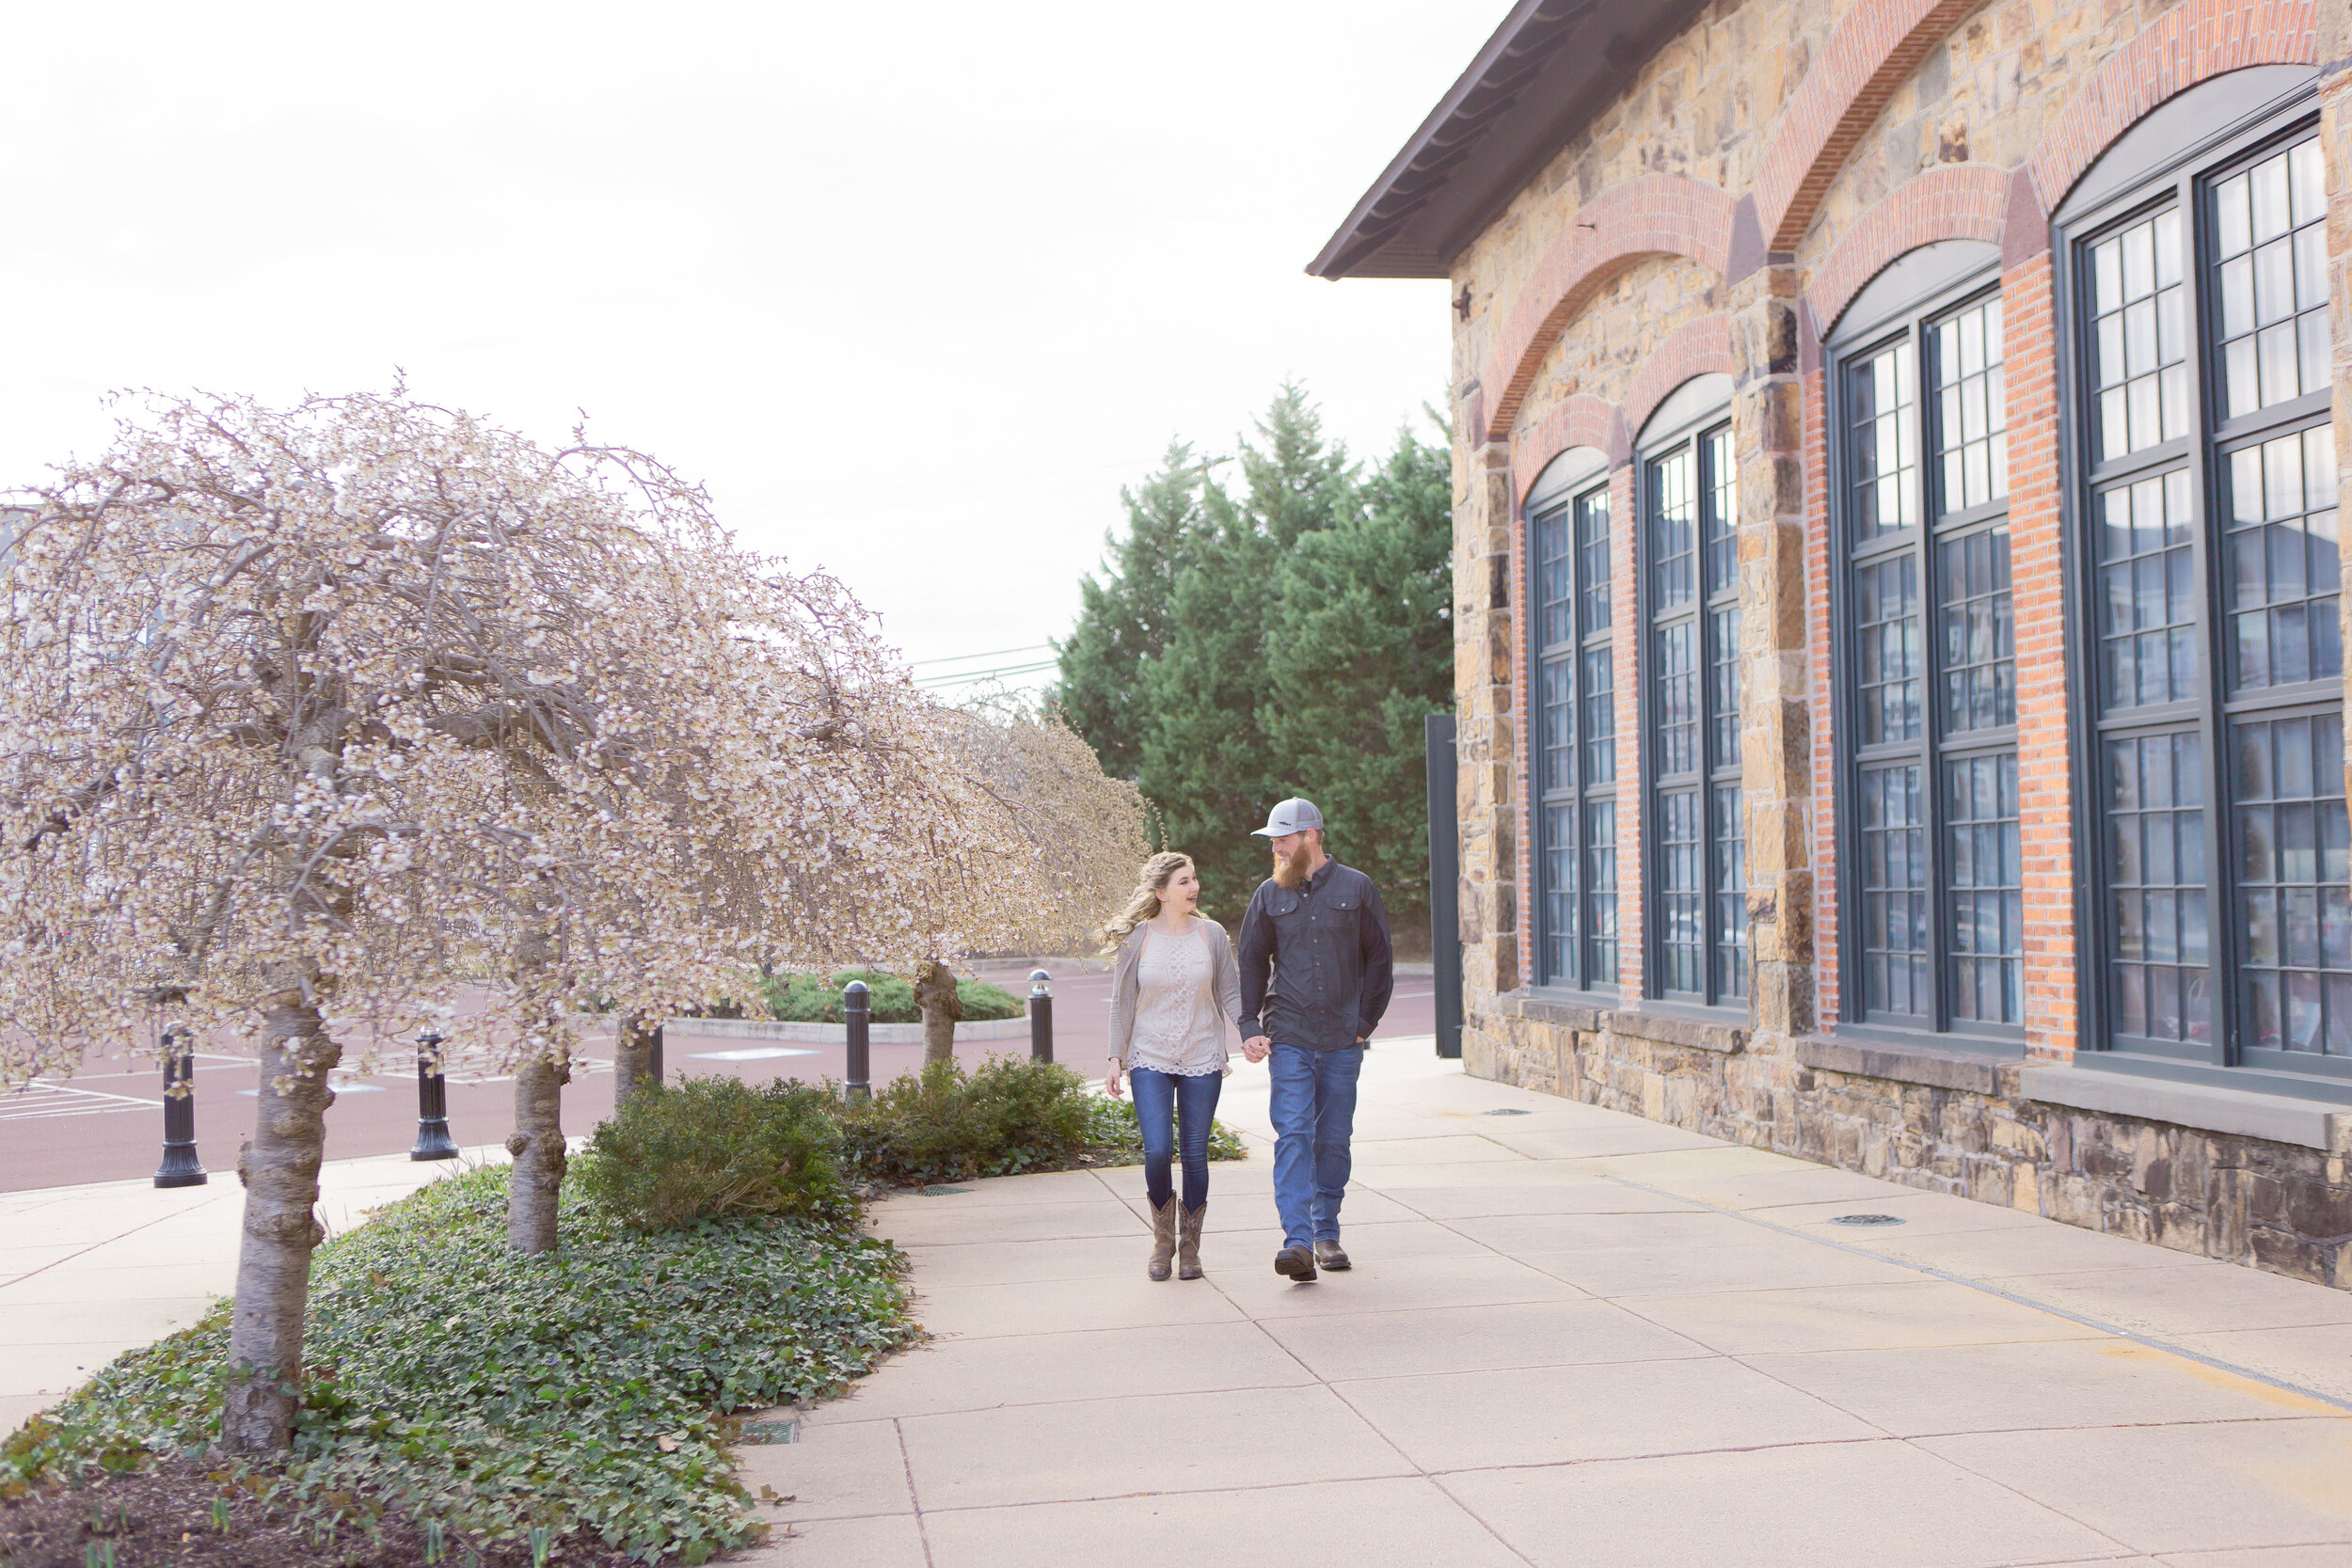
(1173, 999)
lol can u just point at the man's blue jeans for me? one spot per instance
(1313, 1109)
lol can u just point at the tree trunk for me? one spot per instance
(281, 1170)
(935, 993)
(537, 1145)
(634, 1057)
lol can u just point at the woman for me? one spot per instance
(1174, 991)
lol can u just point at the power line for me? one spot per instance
(998, 653)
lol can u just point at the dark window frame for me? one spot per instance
(2185, 181)
(1853, 341)
(1593, 955)
(1721, 937)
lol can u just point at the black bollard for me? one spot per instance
(856, 1008)
(653, 1059)
(1041, 1016)
(433, 1139)
(180, 1167)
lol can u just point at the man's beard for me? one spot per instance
(1290, 870)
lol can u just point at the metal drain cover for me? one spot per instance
(771, 1431)
(942, 1192)
(1865, 1219)
(1509, 1112)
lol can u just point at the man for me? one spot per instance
(1320, 928)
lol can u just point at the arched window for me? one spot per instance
(1695, 812)
(1576, 762)
(2212, 809)
(1928, 727)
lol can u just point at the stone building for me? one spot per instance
(1898, 447)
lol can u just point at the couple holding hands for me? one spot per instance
(1306, 984)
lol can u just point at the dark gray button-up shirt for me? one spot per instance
(1327, 946)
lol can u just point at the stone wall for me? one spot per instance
(1947, 1124)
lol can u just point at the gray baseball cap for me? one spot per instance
(1293, 815)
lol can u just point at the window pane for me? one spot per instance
(2147, 617)
(1553, 603)
(1886, 648)
(2139, 379)
(1894, 892)
(2279, 562)
(1722, 513)
(1985, 912)
(1559, 733)
(1681, 892)
(1673, 525)
(1677, 677)
(1722, 688)
(1600, 895)
(1592, 536)
(2270, 264)
(1731, 893)
(2294, 909)
(2160, 978)
(1884, 442)
(1560, 899)
(1979, 639)
(1600, 717)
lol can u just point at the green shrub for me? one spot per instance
(799, 998)
(946, 1124)
(704, 1149)
(449, 1379)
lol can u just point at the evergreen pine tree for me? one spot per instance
(1358, 650)
(1125, 613)
(1207, 763)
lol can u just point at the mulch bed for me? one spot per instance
(164, 1516)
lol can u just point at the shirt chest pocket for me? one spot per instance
(1337, 917)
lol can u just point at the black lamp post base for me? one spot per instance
(434, 1141)
(181, 1168)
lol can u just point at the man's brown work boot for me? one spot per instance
(1331, 1255)
(1297, 1264)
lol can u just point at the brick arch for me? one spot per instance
(2191, 43)
(1582, 421)
(1657, 214)
(1965, 202)
(1870, 53)
(1702, 347)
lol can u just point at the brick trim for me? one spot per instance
(1657, 214)
(1873, 51)
(1698, 348)
(1964, 202)
(1582, 421)
(2193, 42)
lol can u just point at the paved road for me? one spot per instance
(1572, 1337)
(106, 1123)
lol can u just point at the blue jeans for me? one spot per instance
(1313, 1109)
(1162, 1101)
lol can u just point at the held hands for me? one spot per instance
(1113, 1084)
(1256, 1047)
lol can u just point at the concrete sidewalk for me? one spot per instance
(1572, 1336)
(87, 1272)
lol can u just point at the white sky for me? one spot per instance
(914, 289)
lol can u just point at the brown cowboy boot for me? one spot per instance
(1163, 1237)
(1188, 1247)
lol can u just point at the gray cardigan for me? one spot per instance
(1212, 1012)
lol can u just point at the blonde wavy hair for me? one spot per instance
(1144, 903)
